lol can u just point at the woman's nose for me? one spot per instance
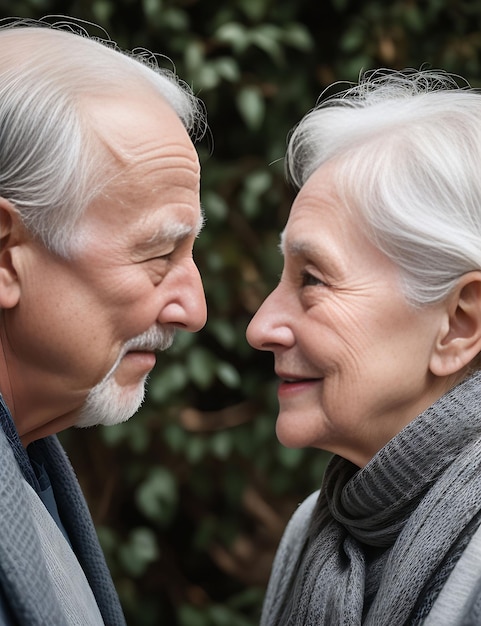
(270, 327)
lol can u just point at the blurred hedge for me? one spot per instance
(190, 497)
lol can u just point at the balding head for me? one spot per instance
(51, 162)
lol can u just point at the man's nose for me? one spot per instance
(186, 307)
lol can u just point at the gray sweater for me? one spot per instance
(25, 585)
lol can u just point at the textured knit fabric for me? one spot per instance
(460, 589)
(71, 587)
(24, 581)
(378, 537)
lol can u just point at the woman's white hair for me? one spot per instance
(51, 165)
(406, 154)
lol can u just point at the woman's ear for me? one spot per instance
(459, 338)
(10, 230)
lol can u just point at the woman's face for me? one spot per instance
(353, 356)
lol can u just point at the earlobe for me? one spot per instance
(459, 339)
(9, 239)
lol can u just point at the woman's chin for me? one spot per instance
(291, 432)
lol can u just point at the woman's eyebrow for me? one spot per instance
(297, 246)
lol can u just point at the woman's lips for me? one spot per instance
(290, 385)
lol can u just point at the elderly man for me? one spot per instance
(99, 210)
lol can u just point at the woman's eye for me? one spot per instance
(309, 280)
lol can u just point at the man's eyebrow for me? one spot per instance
(201, 222)
(176, 231)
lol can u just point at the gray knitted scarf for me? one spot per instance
(380, 535)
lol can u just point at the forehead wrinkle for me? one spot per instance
(146, 152)
(172, 170)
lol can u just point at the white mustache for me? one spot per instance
(155, 339)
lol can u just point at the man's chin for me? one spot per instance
(109, 404)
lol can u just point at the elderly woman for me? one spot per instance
(375, 328)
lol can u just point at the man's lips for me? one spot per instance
(142, 357)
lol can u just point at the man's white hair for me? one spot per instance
(51, 166)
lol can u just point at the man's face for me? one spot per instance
(99, 316)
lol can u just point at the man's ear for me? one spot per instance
(10, 235)
(459, 338)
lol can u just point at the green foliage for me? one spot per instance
(191, 496)
(140, 550)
